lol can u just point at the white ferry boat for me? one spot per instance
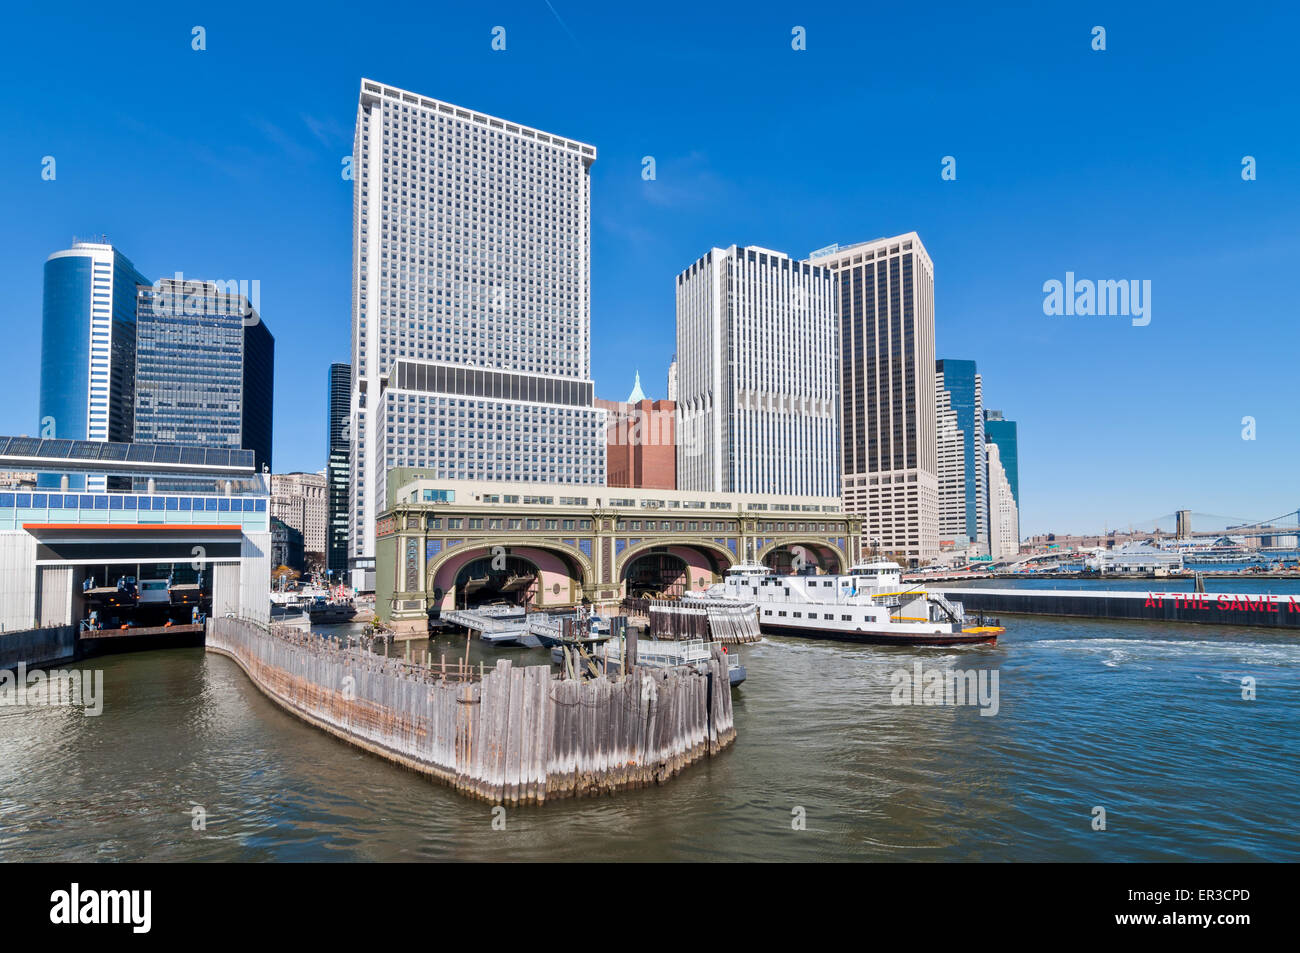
(869, 604)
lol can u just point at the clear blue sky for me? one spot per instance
(1117, 164)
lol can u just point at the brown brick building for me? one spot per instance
(640, 443)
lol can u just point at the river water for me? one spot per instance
(1144, 720)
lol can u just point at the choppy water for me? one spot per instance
(1146, 721)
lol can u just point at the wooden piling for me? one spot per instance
(508, 735)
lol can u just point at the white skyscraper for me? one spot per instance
(886, 311)
(952, 470)
(471, 303)
(757, 375)
(1004, 517)
(963, 504)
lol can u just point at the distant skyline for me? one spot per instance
(1121, 164)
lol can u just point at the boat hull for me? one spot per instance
(868, 637)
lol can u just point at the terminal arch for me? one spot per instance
(561, 574)
(786, 556)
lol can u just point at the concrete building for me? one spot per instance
(757, 375)
(446, 544)
(88, 329)
(204, 368)
(888, 416)
(471, 313)
(301, 500)
(62, 550)
(952, 479)
(672, 380)
(999, 430)
(338, 469)
(963, 496)
(1004, 516)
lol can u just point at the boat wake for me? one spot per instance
(1124, 650)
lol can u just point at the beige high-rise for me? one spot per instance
(888, 414)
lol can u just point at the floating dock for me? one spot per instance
(1207, 608)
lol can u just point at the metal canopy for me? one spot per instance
(90, 456)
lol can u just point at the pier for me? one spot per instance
(510, 736)
(702, 620)
(1213, 608)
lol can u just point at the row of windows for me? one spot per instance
(112, 501)
(811, 615)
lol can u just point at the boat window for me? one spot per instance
(829, 615)
(846, 618)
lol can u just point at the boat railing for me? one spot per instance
(955, 611)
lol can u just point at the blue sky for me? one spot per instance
(1117, 164)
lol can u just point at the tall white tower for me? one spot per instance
(757, 375)
(1004, 515)
(471, 307)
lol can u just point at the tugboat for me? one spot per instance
(868, 604)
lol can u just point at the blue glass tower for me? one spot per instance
(88, 332)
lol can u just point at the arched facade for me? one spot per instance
(705, 560)
(825, 556)
(583, 552)
(563, 571)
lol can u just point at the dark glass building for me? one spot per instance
(1003, 433)
(88, 333)
(205, 368)
(338, 469)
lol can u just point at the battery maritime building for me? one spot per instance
(471, 304)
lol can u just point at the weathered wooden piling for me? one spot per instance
(703, 620)
(514, 736)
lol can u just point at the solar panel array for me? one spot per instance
(138, 453)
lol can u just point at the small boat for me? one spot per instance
(291, 616)
(323, 613)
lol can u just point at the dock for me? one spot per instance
(1206, 608)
